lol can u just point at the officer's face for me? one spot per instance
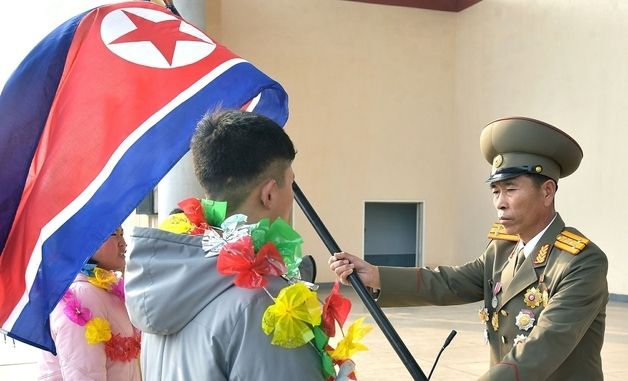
(523, 207)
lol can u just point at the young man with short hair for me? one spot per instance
(196, 324)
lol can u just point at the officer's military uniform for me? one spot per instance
(545, 319)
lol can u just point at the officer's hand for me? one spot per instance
(344, 264)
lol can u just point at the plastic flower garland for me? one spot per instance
(251, 252)
(97, 329)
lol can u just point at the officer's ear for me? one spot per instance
(549, 188)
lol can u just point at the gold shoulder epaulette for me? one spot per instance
(570, 242)
(499, 232)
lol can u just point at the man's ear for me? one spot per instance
(549, 190)
(266, 194)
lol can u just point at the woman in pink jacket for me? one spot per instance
(90, 326)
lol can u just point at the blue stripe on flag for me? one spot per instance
(24, 105)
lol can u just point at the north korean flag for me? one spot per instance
(92, 119)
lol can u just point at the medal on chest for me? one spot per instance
(533, 297)
(496, 290)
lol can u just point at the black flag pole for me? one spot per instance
(377, 313)
(171, 7)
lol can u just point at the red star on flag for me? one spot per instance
(162, 34)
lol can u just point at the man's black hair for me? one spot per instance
(233, 151)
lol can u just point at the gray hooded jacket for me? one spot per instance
(196, 325)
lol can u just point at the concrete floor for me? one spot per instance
(423, 329)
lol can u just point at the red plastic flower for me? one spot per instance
(239, 258)
(120, 348)
(335, 309)
(194, 212)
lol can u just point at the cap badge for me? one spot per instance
(498, 161)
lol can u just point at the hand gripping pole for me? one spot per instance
(377, 313)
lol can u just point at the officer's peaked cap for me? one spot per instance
(516, 145)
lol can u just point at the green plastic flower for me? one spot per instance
(287, 241)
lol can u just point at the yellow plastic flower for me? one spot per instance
(295, 311)
(349, 345)
(104, 279)
(97, 331)
(176, 223)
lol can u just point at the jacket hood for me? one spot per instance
(168, 280)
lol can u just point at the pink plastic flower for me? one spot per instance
(74, 310)
(118, 289)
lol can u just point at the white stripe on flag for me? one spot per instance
(254, 103)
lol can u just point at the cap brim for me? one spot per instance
(505, 175)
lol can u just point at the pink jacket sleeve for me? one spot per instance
(79, 360)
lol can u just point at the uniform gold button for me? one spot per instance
(504, 340)
(504, 313)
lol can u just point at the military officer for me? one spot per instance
(542, 284)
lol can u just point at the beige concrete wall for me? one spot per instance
(370, 115)
(387, 103)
